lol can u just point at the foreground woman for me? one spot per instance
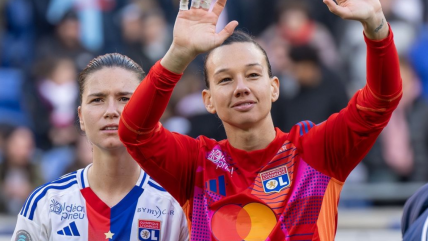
(260, 183)
(113, 198)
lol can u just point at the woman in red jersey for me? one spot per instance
(260, 183)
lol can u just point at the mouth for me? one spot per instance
(110, 128)
(243, 104)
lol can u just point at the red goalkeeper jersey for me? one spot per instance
(287, 191)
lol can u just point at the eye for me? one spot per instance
(96, 100)
(124, 99)
(224, 80)
(253, 75)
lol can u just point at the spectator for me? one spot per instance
(401, 152)
(315, 88)
(65, 42)
(19, 173)
(295, 26)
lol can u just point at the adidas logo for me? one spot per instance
(70, 230)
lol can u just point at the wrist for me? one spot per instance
(177, 59)
(376, 27)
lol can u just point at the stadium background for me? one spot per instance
(319, 59)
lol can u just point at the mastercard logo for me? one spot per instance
(232, 222)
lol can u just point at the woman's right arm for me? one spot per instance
(167, 157)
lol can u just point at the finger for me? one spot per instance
(227, 31)
(206, 4)
(196, 3)
(336, 9)
(184, 5)
(219, 6)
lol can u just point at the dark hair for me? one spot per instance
(109, 61)
(237, 37)
(304, 53)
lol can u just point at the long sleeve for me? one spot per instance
(337, 145)
(169, 158)
(143, 112)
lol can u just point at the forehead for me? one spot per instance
(233, 56)
(113, 79)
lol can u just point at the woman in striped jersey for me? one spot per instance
(112, 198)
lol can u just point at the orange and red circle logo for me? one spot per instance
(232, 222)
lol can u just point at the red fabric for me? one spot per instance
(183, 166)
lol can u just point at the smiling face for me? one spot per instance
(241, 91)
(105, 93)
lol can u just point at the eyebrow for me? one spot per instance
(102, 94)
(248, 65)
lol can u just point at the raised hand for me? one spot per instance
(195, 33)
(368, 12)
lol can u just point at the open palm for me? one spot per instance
(195, 29)
(359, 10)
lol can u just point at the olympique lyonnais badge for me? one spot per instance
(148, 230)
(275, 180)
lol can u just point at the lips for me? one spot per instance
(243, 103)
(112, 127)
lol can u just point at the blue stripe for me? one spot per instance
(257, 185)
(123, 213)
(82, 179)
(275, 197)
(143, 180)
(156, 186)
(281, 159)
(274, 202)
(213, 185)
(74, 229)
(67, 231)
(33, 208)
(27, 203)
(301, 128)
(284, 151)
(306, 126)
(311, 124)
(255, 190)
(221, 185)
(303, 234)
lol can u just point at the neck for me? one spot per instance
(113, 172)
(254, 138)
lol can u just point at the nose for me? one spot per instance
(112, 110)
(241, 88)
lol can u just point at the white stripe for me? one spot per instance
(424, 231)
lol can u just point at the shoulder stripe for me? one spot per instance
(305, 126)
(82, 178)
(33, 208)
(29, 200)
(143, 180)
(156, 186)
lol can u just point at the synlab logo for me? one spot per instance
(69, 230)
(148, 230)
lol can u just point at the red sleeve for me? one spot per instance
(169, 158)
(337, 145)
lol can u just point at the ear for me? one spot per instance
(206, 96)
(274, 85)
(79, 113)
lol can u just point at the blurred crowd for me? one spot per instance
(319, 59)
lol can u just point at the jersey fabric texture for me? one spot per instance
(287, 191)
(68, 209)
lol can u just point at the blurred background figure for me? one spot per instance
(19, 173)
(311, 92)
(401, 152)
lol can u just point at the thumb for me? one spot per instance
(336, 9)
(227, 31)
